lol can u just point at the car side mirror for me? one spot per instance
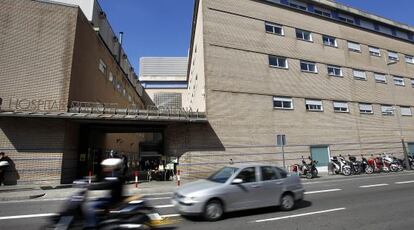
(237, 181)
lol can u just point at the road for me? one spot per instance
(384, 201)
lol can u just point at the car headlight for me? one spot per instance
(188, 200)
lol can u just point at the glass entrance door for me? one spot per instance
(321, 154)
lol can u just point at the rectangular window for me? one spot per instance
(334, 71)
(374, 51)
(356, 47)
(387, 110)
(412, 83)
(273, 28)
(329, 41)
(399, 81)
(346, 18)
(380, 78)
(308, 67)
(102, 66)
(409, 59)
(282, 103)
(298, 5)
(322, 11)
(393, 56)
(304, 35)
(365, 108)
(110, 77)
(405, 111)
(341, 107)
(279, 62)
(314, 105)
(359, 74)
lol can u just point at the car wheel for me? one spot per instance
(287, 202)
(213, 210)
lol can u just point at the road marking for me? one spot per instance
(405, 182)
(27, 216)
(32, 200)
(154, 194)
(164, 206)
(323, 191)
(158, 198)
(299, 215)
(373, 185)
(170, 215)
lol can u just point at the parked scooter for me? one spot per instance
(356, 166)
(132, 212)
(411, 162)
(392, 163)
(377, 164)
(308, 170)
(339, 165)
(366, 167)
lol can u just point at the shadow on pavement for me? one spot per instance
(251, 212)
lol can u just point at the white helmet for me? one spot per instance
(112, 163)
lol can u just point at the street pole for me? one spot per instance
(407, 162)
(283, 156)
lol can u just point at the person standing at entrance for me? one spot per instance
(4, 164)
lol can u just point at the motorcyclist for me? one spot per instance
(113, 182)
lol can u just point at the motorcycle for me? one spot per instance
(339, 165)
(366, 167)
(356, 166)
(377, 164)
(392, 163)
(309, 170)
(132, 212)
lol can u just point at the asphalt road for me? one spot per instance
(384, 201)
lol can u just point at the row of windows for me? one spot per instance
(362, 22)
(332, 41)
(116, 84)
(336, 71)
(338, 106)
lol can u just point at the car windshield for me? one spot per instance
(222, 175)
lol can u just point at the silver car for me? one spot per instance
(238, 187)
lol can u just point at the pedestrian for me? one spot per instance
(4, 164)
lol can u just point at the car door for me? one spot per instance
(244, 195)
(271, 186)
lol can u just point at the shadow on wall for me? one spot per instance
(11, 175)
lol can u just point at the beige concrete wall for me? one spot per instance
(240, 88)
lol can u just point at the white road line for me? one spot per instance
(373, 185)
(26, 216)
(299, 215)
(405, 182)
(32, 200)
(323, 191)
(164, 206)
(170, 215)
(159, 198)
(154, 194)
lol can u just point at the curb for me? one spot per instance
(25, 197)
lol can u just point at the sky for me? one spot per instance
(155, 28)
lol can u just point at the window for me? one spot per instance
(341, 107)
(247, 175)
(365, 108)
(279, 62)
(298, 5)
(359, 74)
(268, 173)
(282, 103)
(412, 83)
(399, 81)
(282, 173)
(380, 78)
(405, 111)
(303, 35)
(385, 29)
(334, 71)
(409, 59)
(374, 51)
(346, 18)
(322, 11)
(393, 56)
(366, 24)
(102, 66)
(387, 110)
(273, 28)
(352, 46)
(308, 66)
(313, 105)
(329, 41)
(110, 77)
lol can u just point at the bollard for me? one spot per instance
(178, 177)
(90, 177)
(136, 179)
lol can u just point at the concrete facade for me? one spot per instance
(233, 50)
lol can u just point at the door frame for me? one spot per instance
(321, 168)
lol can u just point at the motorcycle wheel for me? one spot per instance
(346, 171)
(309, 175)
(412, 166)
(315, 172)
(369, 170)
(393, 168)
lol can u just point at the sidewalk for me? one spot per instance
(166, 188)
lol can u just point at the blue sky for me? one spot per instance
(163, 27)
